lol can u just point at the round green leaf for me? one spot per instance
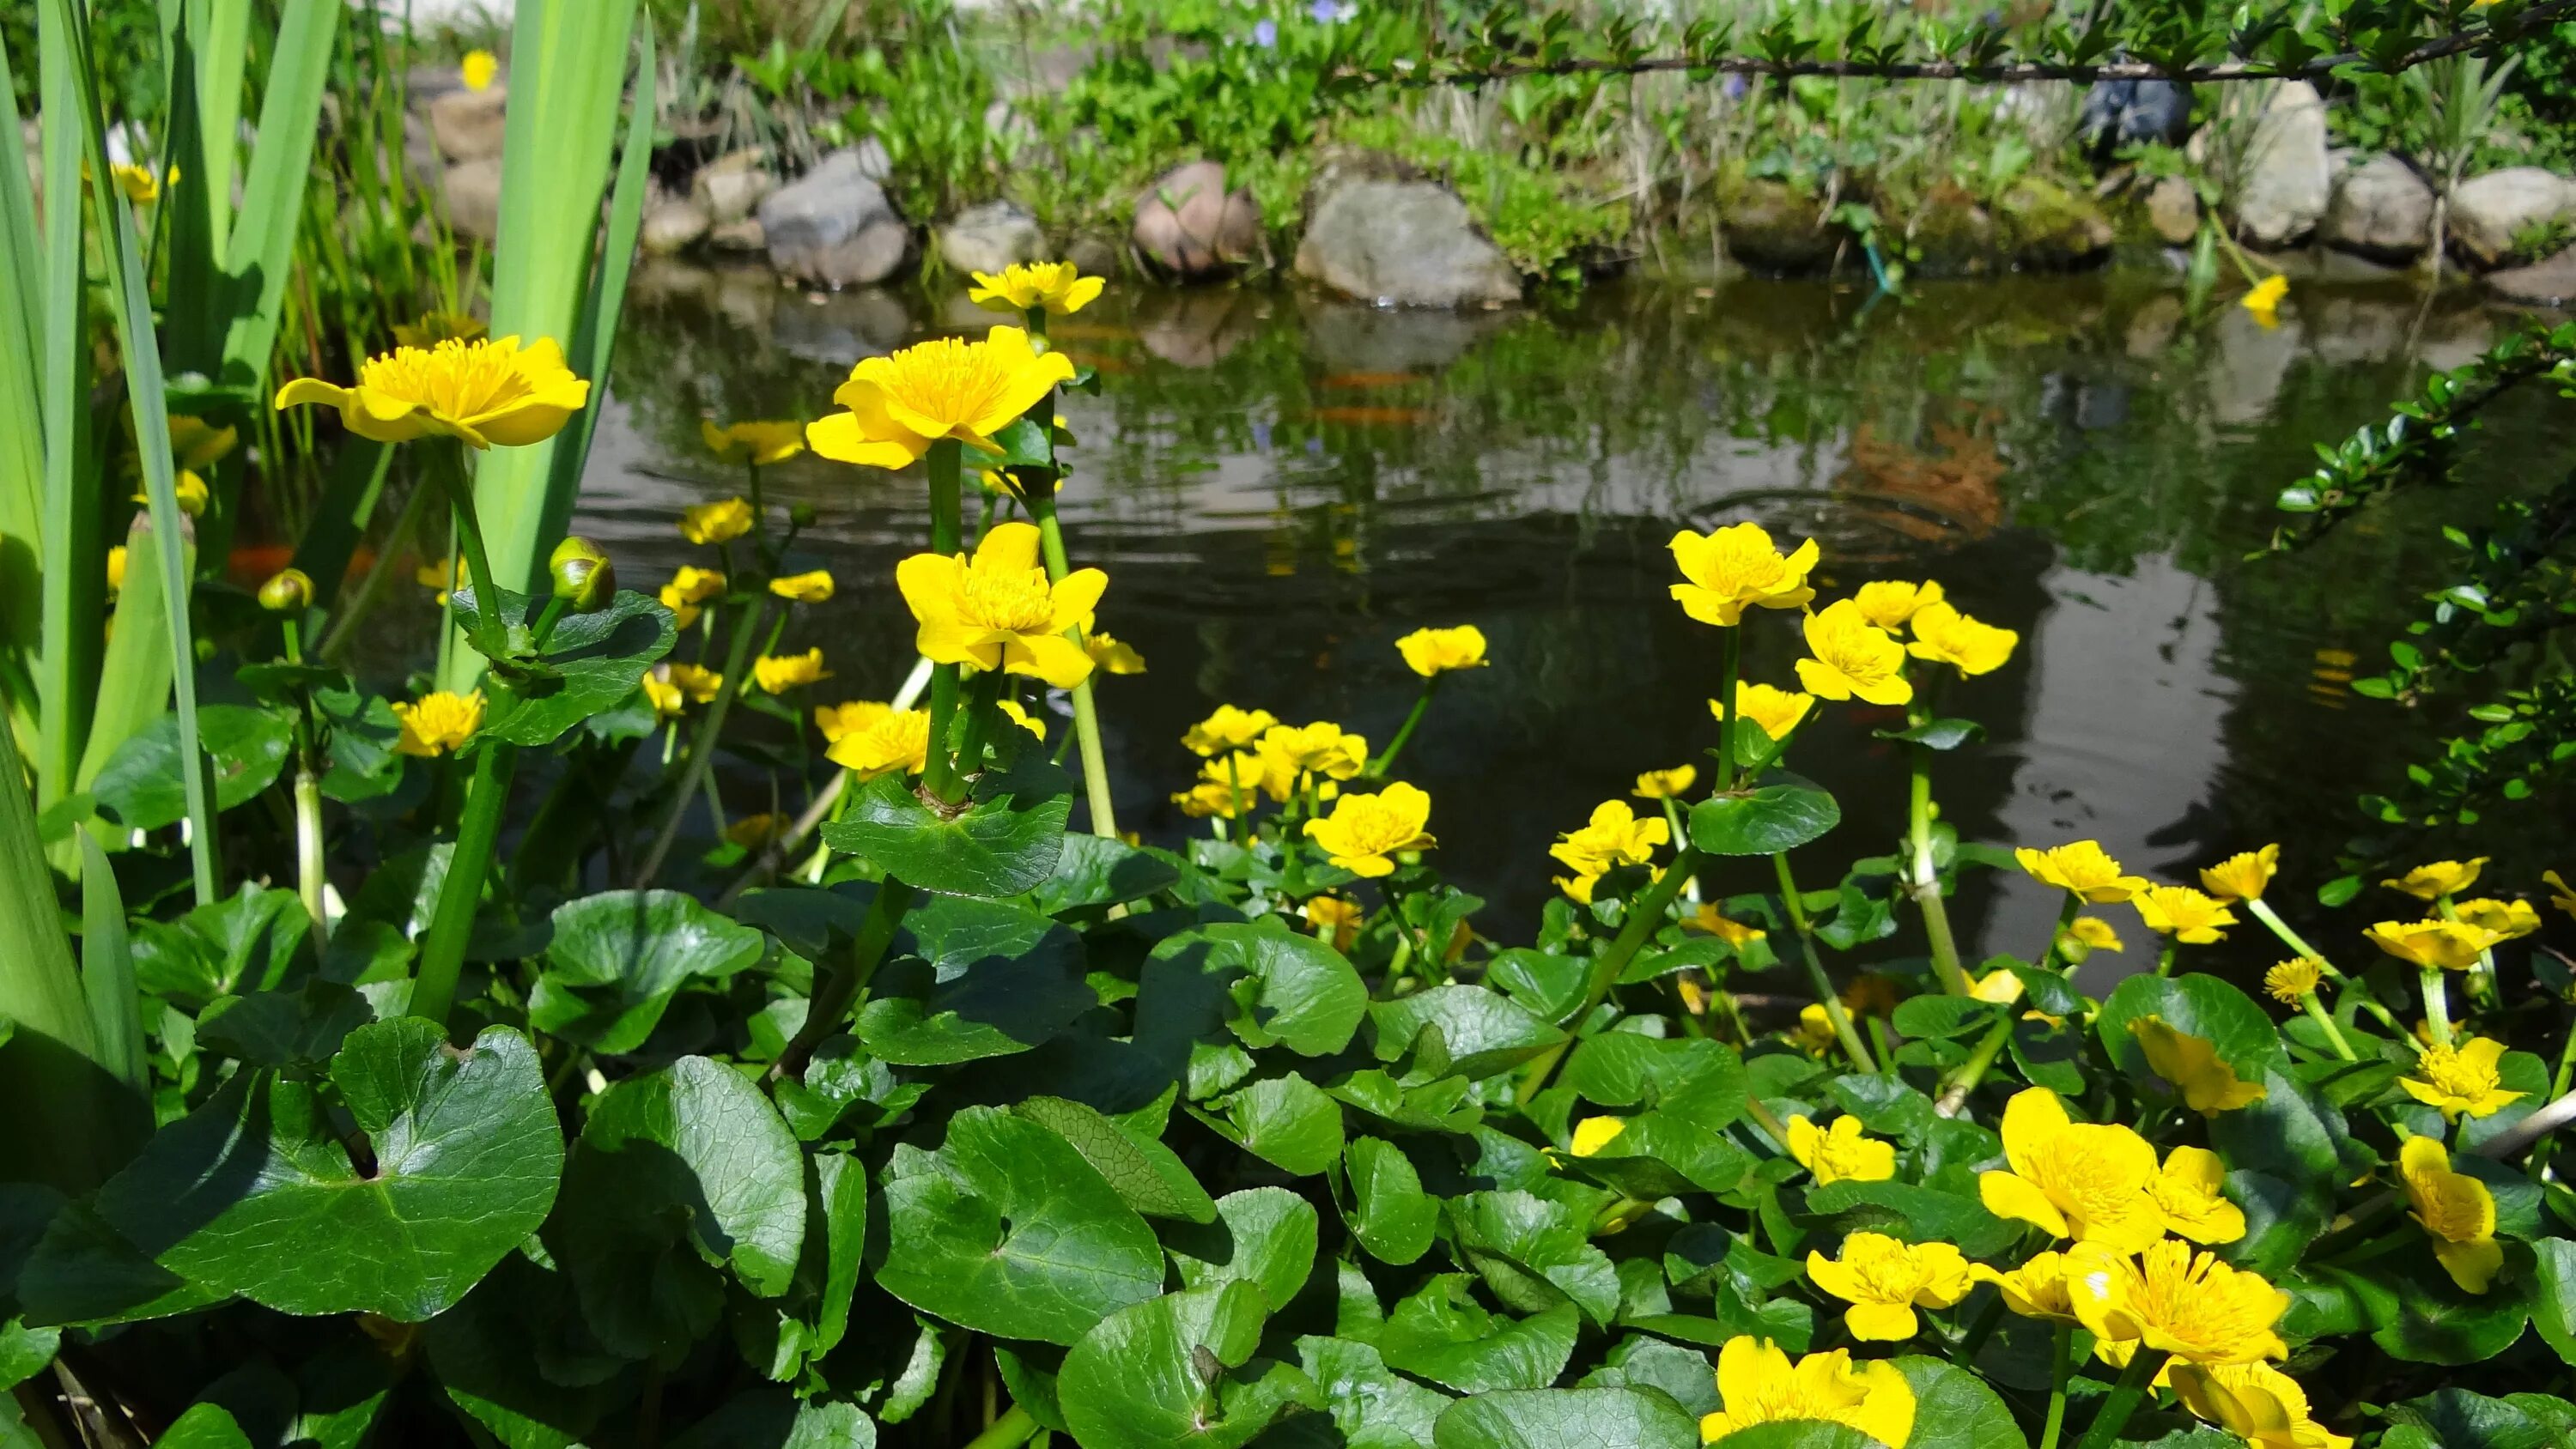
(1391, 1215)
(1097, 871)
(1007, 839)
(1608, 1418)
(2202, 1006)
(1781, 814)
(1953, 1409)
(1264, 1236)
(1481, 1032)
(1796, 1434)
(1286, 1121)
(1150, 1176)
(618, 958)
(592, 663)
(982, 979)
(140, 787)
(1286, 990)
(1154, 1376)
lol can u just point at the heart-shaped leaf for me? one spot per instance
(1264, 1236)
(618, 958)
(1177, 1373)
(1280, 989)
(140, 787)
(1604, 1418)
(591, 663)
(983, 979)
(1782, 813)
(1007, 839)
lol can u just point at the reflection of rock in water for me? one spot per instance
(2249, 365)
(1945, 493)
(1198, 328)
(841, 327)
(1349, 337)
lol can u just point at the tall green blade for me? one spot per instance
(54, 1128)
(74, 583)
(134, 684)
(261, 251)
(115, 1007)
(223, 53)
(22, 430)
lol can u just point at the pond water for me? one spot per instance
(1279, 486)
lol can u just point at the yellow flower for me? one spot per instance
(1851, 659)
(1841, 1153)
(433, 328)
(1615, 837)
(2254, 1401)
(1815, 1027)
(116, 571)
(1972, 646)
(700, 684)
(752, 832)
(664, 696)
(944, 388)
(2188, 1304)
(1772, 710)
(1335, 919)
(1059, 287)
(2243, 876)
(1291, 753)
(894, 740)
(483, 393)
(188, 490)
(2264, 301)
(196, 443)
(2292, 981)
(1433, 652)
(760, 443)
(439, 724)
(1594, 1133)
(999, 612)
(1666, 784)
(2190, 1193)
(1113, 656)
(2183, 913)
(1228, 728)
(848, 717)
(805, 588)
(2084, 868)
(1017, 715)
(2036, 1289)
(2073, 1179)
(1364, 830)
(1758, 1385)
(1737, 568)
(1888, 603)
(2561, 894)
(1885, 1280)
(2433, 945)
(2094, 934)
(2505, 920)
(2455, 1209)
(2193, 1066)
(439, 574)
(2461, 1079)
(477, 69)
(722, 521)
(778, 673)
(1999, 986)
(138, 182)
(2441, 878)
(1213, 797)
(1710, 920)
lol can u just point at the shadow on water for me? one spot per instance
(1280, 486)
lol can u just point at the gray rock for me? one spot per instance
(2287, 181)
(2550, 283)
(2173, 210)
(739, 236)
(834, 225)
(1772, 227)
(468, 124)
(470, 194)
(1095, 254)
(731, 186)
(2381, 209)
(2053, 228)
(673, 224)
(990, 237)
(1190, 227)
(1410, 243)
(2487, 211)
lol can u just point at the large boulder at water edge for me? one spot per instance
(1771, 226)
(834, 226)
(2287, 180)
(2380, 209)
(2173, 211)
(468, 124)
(470, 194)
(1188, 226)
(1951, 235)
(2547, 284)
(672, 224)
(1407, 243)
(2488, 211)
(732, 186)
(2052, 228)
(990, 237)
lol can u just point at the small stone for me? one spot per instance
(745, 235)
(673, 225)
(2381, 209)
(1095, 254)
(1190, 227)
(2550, 283)
(2287, 181)
(731, 186)
(467, 124)
(2488, 212)
(1405, 243)
(990, 237)
(2173, 211)
(2053, 228)
(834, 226)
(1770, 226)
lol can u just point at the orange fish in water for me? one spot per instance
(1371, 417)
(254, 563)
(1372, 379)
(1097, 363)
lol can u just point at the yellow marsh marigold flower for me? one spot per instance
(2441, 878)
(439, 724)
(2561, 894)
(2433, 945)
(778, 673)
(664, 696)
(2193, 1066)
(806, 588)
(2505, 920)
(2189, 1304)
(1945, 636)
(1758, 1385)
(190, 492)
(999, 612)
(1334, 919)
(1016, 714)
(2190, 1193)
(1213, 797)
(2243, 876)
(1999, 986)
(2264, 300)
(1433, 652)
(722, 521)
(138, 183)
(1840, 1153)
(1885, 1280)
(483, 393)
(2183, 913)
(752, 832)
(2036, 1289)
(2073, 1179)
(1711, 921)
(1322, 749)
(2084, 868)
(1594, 1133)
(1737, 568)
(2461, 1078)
(699, 683)
(1228, 728)
(1666, 784)
(1772, 710)
(1850, 659)
(196, 443)
(2455, 1209)
(1815, 1027)
(1059, 287)
(944, 388)
(761, 443)
(848, 717)
(1364, 830)
(1614, 837)
(2094, 934)
(2292, 981)
(116, 571)
(1112, 655)
(894, 740)
(477, 69)
(1888, 603)
(2254, 1401)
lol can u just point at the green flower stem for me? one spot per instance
(1378, 767)
(830, 1004)
(309, 876)
(2165, 958)
(2123, 1400)
(1816, 978)
(2437, 1006)
(1974, 1069)
(983, 706)
(1923, 882)
(442, 953)
(2057, 1387)
(1681, 831)
(450, 467)
(1645, 914)
(1730, 669)
(1012, 1429)
(702, 747)
(2263, 912)
(1086, 711)
(2316, 1011)
(2066, 915)
(547, 618)
(939, 774)
(345, 617)
(1234, 793)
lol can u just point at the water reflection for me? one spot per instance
(1281, 485)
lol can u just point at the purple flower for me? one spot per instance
(1325, 12)
(1735, 86)
(1266, 34)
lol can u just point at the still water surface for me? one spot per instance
(1279, 486)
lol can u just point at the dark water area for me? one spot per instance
(1280, 485)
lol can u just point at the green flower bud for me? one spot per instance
(801, 514)
(583, 576)
(289, 592)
